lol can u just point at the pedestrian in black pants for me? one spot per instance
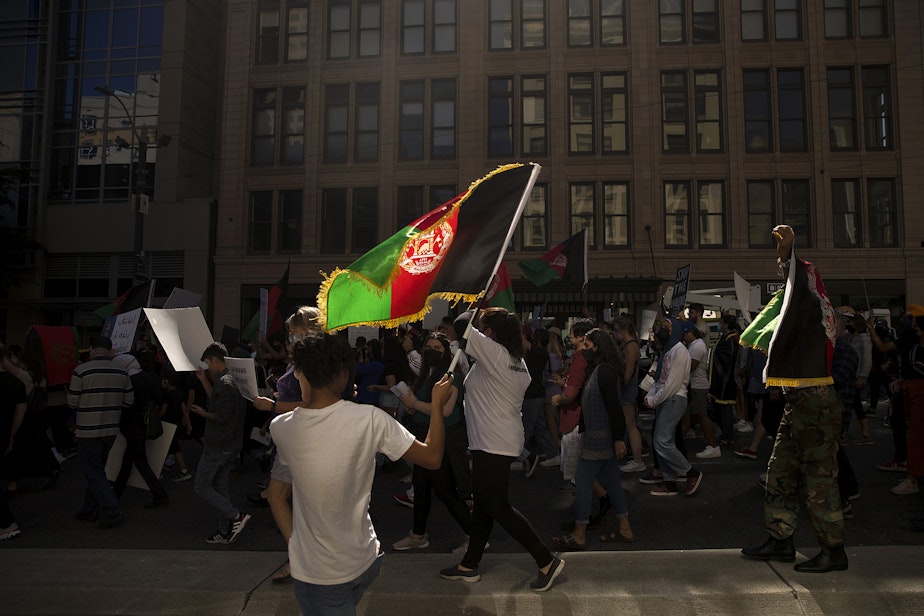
(147, 391)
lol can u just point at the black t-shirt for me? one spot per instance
(536, 361)
(911, 353)
(12, 393)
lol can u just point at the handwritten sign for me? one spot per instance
(183, 334)
(123, 332)
(245, 376)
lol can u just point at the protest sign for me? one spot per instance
(366, 331)
(264, 313)
(681, 285)
(123, 332)
(244, 373)
(156, 450)
(183, 334)
(181, 298)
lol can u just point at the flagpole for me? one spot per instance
(500, 257)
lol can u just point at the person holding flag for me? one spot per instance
(494, 392)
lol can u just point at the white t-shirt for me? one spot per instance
(699, 379)
(493, 401)
(331, 454)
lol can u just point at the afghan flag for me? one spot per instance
(450, 253)
(139, 296)
(275, 310)
(500, 291)
(797, 329)
(567, 262)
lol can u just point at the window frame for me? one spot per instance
(784, 116)
(674, 90)
(851, 89)
(752, 12)
(662, 16)
(754, 118)
(292, 104)
(716, 90)
(538, 197)
(256, 137)
(716, 23)
(575, 219)
(336, 100)
(290, 36)
(605, 116)
(608, 216)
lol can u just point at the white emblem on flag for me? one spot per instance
(424, 252)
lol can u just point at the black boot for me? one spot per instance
(772, 549)
(828, 559)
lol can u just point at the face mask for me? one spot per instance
(569, 353)
(432, 356)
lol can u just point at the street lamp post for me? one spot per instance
(137, 187)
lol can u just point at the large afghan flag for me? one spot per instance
(567, 262)
(450, 253)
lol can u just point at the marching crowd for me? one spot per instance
(516, 399)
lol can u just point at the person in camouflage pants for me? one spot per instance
(804, 462)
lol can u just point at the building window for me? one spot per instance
(413, 26)
(787, 20)
(581, 114)
(677, 215)
(581, 201)
(580, 31)
(670, 13)
(761, 213)
(791, 108)
(615, 115)
(263, 142)
(501, 24)
(500, 116)
(757, 120)
(365, 219)
(764, 214)
(444, 26)
(877, 108)
(261, 221)
(612, 22)
(288, 222)
(796, 208)
(410, 205)
(367, 123)
(534, 116)
(338, 29)
(882, 213)
(872, 18)
(708, 101)
(336, 123)
(837, 19)
(532, 26)
(333, 220)
(675, 113)
(297, 34)
(534, 223)
(289, 227)
(411, 120)
(845, 203)
(443, 119)
(842, 121)
(268, 36)
(616, 215)
(293, 126)
(753, 20)
(705, 21)
(711, 204)
(370, 29)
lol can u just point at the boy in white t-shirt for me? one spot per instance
(330, 448)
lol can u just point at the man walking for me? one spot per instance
(98, 393)
(224, 433)
(798, 328)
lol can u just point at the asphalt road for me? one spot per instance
(727, 512)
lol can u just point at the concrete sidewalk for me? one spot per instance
(881, 580)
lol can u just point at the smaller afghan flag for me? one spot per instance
(275, 308)
(500, 291)
(567, 262)
(449, 253)
(139, 296)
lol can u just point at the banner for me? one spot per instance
(244, 373)
(183, 334)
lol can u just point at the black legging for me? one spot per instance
(442, 482)
(135, 443)
(490, 484)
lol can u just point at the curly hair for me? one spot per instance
(506, 328)
(605, 351)
(321, 357)
(304, 317)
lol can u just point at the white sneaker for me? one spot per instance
(744, 427)
(12, 531)
(710, 452)
(412, 541)
(632, 467)
(550, 462)
(905, 486)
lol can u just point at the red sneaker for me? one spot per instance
(746, 453)
(892, 465)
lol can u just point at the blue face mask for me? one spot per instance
(569, 353)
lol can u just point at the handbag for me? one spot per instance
(153, 427)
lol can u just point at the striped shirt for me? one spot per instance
(98, 392)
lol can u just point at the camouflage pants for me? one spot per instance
(804, 465)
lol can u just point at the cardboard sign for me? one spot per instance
(681, 286)
(366, 331)
(183, 334)
(244, 373)
(123, 332)
(156, 451)
(181, 298)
